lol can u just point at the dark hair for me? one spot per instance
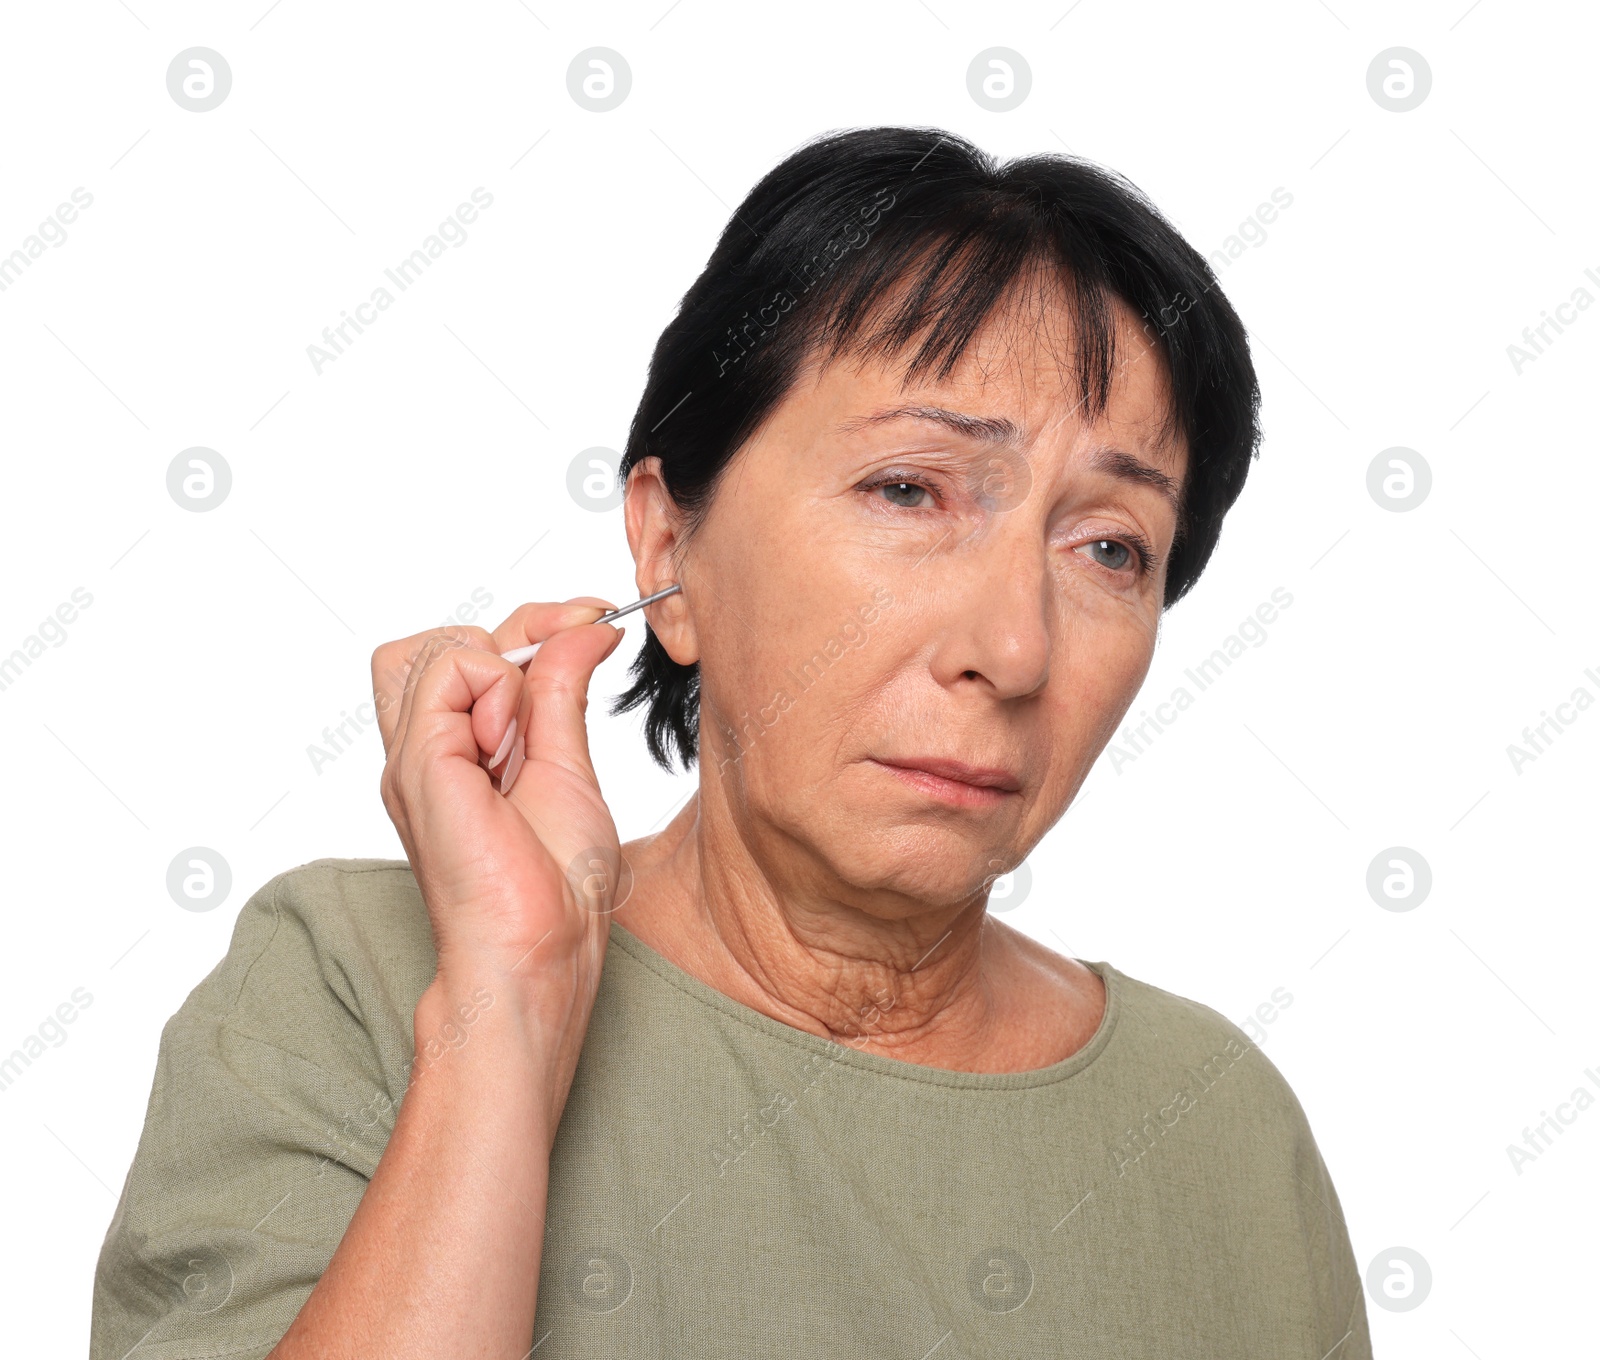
(817, 245)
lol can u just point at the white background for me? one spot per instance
(429, 460)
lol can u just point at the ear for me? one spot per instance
(655, 536)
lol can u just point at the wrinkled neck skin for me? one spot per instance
(949, 987)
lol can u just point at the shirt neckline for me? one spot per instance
(875, 1063)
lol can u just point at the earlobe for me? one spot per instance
(654, 524)
(674, 627)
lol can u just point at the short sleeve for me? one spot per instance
(275, 1091)
(1331, 1260)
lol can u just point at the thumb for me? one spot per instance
(557, 688)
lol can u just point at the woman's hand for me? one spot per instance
(459, 1196)
(518, 885)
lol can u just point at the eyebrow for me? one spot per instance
(1129, 469)
(998, 430)
(988, 429)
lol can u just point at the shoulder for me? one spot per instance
(1160, 1034)
(339, 904)
(312, 1006)
(1184, 1016)
(331, 888)
(1243, 1117)
(366, 894)
(1163, 1025)
(369, 907)
(274, 1094)
(326, 947)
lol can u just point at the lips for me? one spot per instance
(978, 776)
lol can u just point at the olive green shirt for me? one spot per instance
(724, 1186)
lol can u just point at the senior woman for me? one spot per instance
(928, 447)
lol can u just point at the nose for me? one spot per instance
(995, 627)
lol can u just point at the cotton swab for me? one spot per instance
(519, 655)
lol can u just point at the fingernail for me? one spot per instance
(513, 768)
(505, 745)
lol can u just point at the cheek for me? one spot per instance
(1102, 657)
(778, 710)
(770, 692)
(787, 601)
(737, 685)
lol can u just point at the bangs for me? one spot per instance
(947, 291)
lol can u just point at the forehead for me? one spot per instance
(1020, 377)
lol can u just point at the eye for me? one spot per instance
(901, 491)
(1109, 553)
(904, 494)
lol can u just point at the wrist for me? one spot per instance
(448, 1016)
(474, 1046)
(466, 986)
(545, 987)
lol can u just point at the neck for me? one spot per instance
(759, 923)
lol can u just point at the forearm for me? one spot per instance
(441, 1257)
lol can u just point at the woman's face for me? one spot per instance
(870, 588)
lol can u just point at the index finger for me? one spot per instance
(526, 627)
(393, 662)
